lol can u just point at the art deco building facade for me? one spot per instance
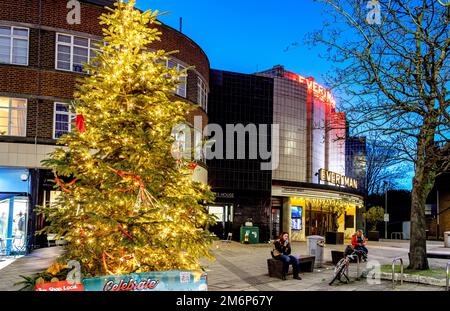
(311, 170)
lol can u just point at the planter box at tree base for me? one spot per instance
(60, 286)
(175, 280)
(374, 236)
(332, 237)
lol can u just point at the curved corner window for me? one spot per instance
(181, 87)
(202, 94)
(72, 52)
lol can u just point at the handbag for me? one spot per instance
(275, 253)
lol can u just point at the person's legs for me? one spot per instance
(362, 251)
(285, 259)
(295, 267)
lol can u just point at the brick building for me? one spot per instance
(437, 210)
(41, 56)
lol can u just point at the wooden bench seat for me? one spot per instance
(275, 266)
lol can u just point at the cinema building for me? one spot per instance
(309, 189)
(41, 56)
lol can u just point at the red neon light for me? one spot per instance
(318, 90)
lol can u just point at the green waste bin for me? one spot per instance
(249, 235)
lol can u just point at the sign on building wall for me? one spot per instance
(296, 217)
(337, 179)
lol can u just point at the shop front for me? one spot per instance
(14, 210)
(304, 212)
(223, 211)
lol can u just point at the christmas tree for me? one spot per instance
(126, 204)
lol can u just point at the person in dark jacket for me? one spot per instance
(282, 251)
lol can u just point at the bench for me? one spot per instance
(336, 256)
(275, 266)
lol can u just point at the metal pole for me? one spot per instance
(357, 267)
(447, 272)
(437, 215)
(385, 212)
(393, 271)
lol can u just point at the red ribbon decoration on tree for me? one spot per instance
(125, 232)
(130, 176)
(61, 184)
(79, 122)
(192, 166)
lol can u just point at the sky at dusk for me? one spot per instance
(248, 35)
(251, 35)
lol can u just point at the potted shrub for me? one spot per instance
(373, 216)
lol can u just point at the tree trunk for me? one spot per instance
(418, 247)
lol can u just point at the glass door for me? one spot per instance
(20, 227)
(13, 224)
(276, 225)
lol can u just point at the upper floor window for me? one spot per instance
(14, 43)
(63, 120)
(181, 88)
(13, 116)
(72, 52)
(202, 94)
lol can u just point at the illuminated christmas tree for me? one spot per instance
(126, 204)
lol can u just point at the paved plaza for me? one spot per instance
(240, 267)
(244, 268)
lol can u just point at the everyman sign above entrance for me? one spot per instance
(337, 179)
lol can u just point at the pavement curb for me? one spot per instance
(426, 280)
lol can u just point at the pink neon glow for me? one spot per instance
(318, 90)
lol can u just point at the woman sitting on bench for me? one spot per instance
(282, 251)
(359, 244)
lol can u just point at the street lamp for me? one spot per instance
(386, 220)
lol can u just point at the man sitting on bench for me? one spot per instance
(282, 251)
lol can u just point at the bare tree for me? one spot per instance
(382, 166)
(393, 59)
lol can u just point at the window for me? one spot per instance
(14, 45)
(73, 52)
(198, 148)
(349, 221)
(202, 94)
(13, 116)
(63, 120)
(181, 88)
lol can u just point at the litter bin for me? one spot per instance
(249, 235)
(447, 239)
(315, 248)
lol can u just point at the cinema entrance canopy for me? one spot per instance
(308, 209)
